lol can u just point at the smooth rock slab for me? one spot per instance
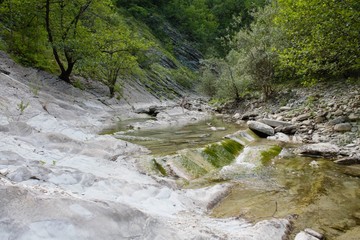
(261, 129)
(326, 150)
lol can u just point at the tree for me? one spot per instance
(323, 35)
(68, 25)
(255, 50)
(115, 53)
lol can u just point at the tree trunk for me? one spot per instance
(65, 74)
(112, 91)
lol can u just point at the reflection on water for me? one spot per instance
(169, 140)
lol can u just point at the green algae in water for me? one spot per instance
(191, 167)
(268, 155)
(220, 155)
(159, 167)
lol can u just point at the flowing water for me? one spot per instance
(315, 193)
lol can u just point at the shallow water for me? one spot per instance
(316, 193)
(169, 140)
(319, 195)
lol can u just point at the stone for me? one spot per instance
(237, 116)
(274, 123)
(338, 113)
(304, 236)
(261, 129)
(326, 150)
(320, 119)
(302, 117)
(342, 127)
(338, 120)
(285, 108)
(348, 161)
(291, 129)
(282, 137)
(249, 115)
(354, 117)
(314, 233)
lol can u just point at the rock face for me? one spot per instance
(261, 129)
(326, 150)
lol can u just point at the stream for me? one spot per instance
(268, 181)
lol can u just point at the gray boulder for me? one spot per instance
(348, 161)
(274, 123)
(342, 127)
(326, 150)
(261, 129)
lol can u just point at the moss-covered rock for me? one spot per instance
(222, 154)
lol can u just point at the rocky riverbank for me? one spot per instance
(327, 113)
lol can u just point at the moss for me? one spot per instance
(192, 168)
(222, 154)
(267, 155)
(159, 167)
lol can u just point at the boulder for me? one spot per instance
(304, 236)
(348, 161)
(302, 117)
(282, 137)
(249, 115)
(326, 150)
(291, 129)
(274, 123)
(338, 120)
(354, 117)
(261, 129)
(342, 127)
(237, 116)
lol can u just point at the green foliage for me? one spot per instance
(251, 64)
(21, 107)
(323, 36)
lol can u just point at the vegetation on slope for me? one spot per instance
(248, 44)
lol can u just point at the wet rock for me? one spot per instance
(342, 127)
(326, 150)
(348, 161)
(261, 129)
